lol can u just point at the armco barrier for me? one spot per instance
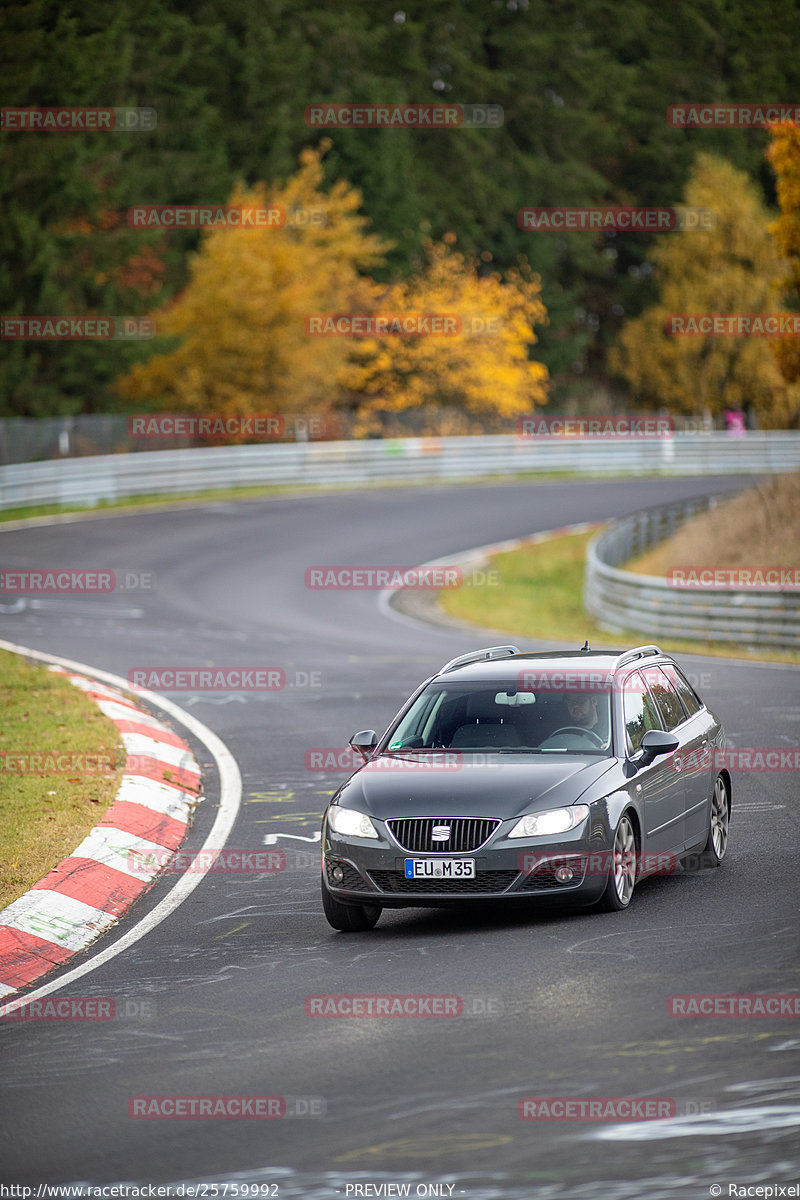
(623, 601)
(109, 477)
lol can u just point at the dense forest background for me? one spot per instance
(584, 87)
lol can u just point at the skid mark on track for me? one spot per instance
(303, 819)
(734, 1121)
(221, 936)
(428, 1147)
(689, 1045)
(672, 935)
(781, 1087)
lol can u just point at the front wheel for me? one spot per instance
(349, 918)
(622, 875)
(717, 842)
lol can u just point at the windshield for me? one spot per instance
(497, 717)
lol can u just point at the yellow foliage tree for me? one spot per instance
(731, 268)
(783, 154)
(466, 382)
(244, 348)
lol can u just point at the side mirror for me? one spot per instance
(654, 743)
(364, 742)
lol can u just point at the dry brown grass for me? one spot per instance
(759, 528)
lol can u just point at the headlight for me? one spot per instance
(350, 823)
(555, 820)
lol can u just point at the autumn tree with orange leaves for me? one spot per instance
(731, 268)
(783, 154)
(243, 347)
(247, 345)
(478, 372)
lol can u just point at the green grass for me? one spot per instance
(540, 595)
(44, 816)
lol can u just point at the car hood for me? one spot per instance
(472, 786)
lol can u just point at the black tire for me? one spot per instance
(349, 918)
(716, 845)
(622, 875)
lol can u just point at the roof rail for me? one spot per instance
(487, 653)
(637, 652)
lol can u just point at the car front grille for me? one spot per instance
(466, 833)
(485, 881)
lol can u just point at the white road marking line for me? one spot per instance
(271, 839)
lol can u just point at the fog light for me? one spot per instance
(565, 874)
(337, 874)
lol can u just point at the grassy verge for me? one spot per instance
(44, 816)
(759, 528)
(540, 595)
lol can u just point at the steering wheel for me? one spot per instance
(577, 729)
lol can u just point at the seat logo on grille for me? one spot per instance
(440, 833)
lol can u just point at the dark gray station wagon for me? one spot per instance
(516, 776)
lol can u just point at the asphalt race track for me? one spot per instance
(561, 1004)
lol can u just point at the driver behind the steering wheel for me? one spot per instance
(582, 708)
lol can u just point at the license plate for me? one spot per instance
(440, 868)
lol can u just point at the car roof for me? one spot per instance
(507, 663)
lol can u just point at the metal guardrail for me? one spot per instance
(621, 600)
(109, 477)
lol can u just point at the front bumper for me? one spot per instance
(373, 872)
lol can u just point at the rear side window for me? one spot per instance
(667, 697)
(639, 710)
(691, 701)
